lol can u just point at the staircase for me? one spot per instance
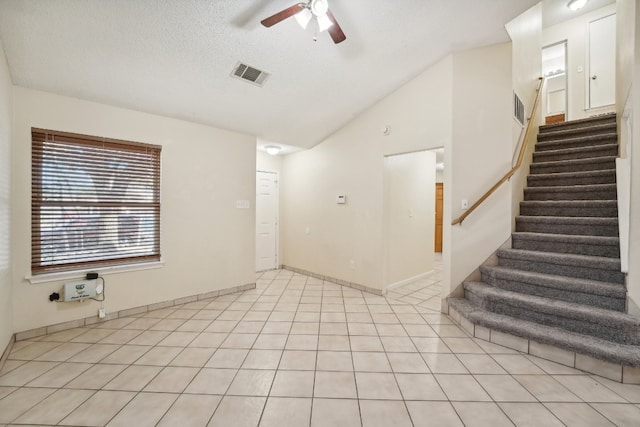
(560, 283)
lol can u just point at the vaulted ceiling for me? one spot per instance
(175, 57)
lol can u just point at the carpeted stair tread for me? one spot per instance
(569, 208)
(628, 355)
(589, 122)
(552, 281)
(574, 165)
(572, 178)
(576, 153)
(557, 140)
(602, 246)
(608, 324)
(570, 265)
(588, 226)
(577, 132)
(572, 192)
(565, 309)
(610, 296)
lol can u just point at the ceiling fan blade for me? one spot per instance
(335, 31)
(282, 15)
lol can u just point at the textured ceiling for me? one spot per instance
(174, 57)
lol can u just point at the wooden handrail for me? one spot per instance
(513, 170)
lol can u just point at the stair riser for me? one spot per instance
(608, 251)
(599, 123)
(604, 164)
(616, 334)
(550, 181)
(554, 156)
(605, 212)
(599, 194)
(549, 143)
(573, 229)
(579, 272)
(617, 304)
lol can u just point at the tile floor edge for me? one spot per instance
(88, 321)
(7, 350)
(334, 280)
(618, 373)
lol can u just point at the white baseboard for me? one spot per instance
(406, 281)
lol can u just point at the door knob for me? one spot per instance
(594, 77)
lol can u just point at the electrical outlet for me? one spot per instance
(465, 204)
(101, 313)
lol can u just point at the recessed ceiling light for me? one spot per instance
(576, 4)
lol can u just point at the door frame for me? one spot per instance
(565, 43)
(277, 228)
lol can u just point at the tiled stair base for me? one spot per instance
(25, 335)
(615, 372)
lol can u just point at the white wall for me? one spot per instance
(409, 215)
(633, 279)
(6, 106)
(207, 244)
(479, 155)
(628, 109)
(575, 31)
(351, 162)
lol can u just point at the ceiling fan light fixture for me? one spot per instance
(319, 7)
(323, 22)
(576, 4)
(273, 149)
(303, 17)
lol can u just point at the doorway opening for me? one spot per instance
(266, 220)
(554, 68)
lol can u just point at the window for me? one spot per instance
(95, 202)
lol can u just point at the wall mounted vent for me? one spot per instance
(249, 74)
(518, 109)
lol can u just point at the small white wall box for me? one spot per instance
(79, 290)
(341, 199)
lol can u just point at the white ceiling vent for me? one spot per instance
(249, 74)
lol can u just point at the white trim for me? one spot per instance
(77, 274)
(277, 232)
(406, 281)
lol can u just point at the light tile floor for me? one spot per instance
(297, 351)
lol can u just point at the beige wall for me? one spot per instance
(575, 32)
(6, 105)
(320, 236)
(479, 155)
(526, 36)
(625, 33)
(409, 211)
(268, 163)
(207, 244)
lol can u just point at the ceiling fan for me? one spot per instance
(305, 12)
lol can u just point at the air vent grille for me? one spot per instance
(249, 74)
(518, 109)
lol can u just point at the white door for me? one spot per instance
(602, 59)
(266, 220)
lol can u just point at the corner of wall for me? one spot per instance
(6, 129)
